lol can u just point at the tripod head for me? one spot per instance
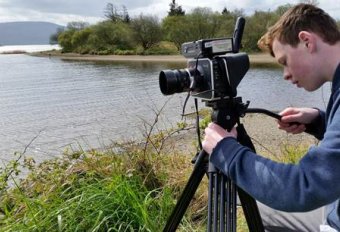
(227, 112)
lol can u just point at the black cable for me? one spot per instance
(198, 131)
(185, 104)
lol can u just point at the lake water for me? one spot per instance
(91, 104)
(28, 48)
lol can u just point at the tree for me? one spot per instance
(225, 11)
(147, 31)
(280, 10)
(65, 37)
(80, 40)
(238, 13)
(227, 24)
(203, 23)
(256, 26)
(114, 14)
(175, 9)
(65, 40)
(126, 17)
(110, 36)
(111, 12)
(54, 37)
(313, 2)
(77, 25)
(176, 30)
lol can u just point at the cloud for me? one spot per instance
(92, 11)
(63, 11)
(57, 7)
(76, 7)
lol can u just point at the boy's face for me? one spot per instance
(299, 65)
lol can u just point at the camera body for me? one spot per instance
(214, 68)
(220, 75)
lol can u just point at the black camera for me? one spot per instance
(209, 74)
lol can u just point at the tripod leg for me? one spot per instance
(188, 193)
(213, 197)
(216, 200)
(249, 205)
(210, 201)
(229, 214)
(223, 203)
(251, 212)
(233, 207)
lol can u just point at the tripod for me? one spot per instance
(222, 191)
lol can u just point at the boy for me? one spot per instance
(306, 42)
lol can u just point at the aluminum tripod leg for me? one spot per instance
(188, 193)
(221, 202)
(248, 203)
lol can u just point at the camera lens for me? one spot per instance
(174, 81)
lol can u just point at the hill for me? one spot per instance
(26, 33)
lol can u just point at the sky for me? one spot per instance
(92, 11)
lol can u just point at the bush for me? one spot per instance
(124, 52)
(162, 48)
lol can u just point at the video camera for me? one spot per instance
(214, 68)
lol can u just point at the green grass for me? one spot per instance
(134, 189)
(94, 191)
(293, 153)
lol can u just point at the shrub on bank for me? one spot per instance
(162, 48)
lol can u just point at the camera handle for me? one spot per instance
(222, 192)
(238, 32)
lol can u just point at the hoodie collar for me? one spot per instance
(336, 79)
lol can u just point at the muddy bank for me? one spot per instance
(268, 139)
(258, 59)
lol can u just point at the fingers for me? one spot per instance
(214, 134)
(288, 111)
(293, 128)
(211, 138)
(219, 131)
(207, 146)
(291, 115)
(301, 115)
(293, 120)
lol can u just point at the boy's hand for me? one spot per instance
(294, 120)
(214, 134)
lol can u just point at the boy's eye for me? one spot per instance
(283, 62)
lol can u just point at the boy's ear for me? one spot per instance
(308, 40)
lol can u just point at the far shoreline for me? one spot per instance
(256, 59)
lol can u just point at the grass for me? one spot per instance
(290, 153)
(134, 189)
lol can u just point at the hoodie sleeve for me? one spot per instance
(311, 183)
(317, 127)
